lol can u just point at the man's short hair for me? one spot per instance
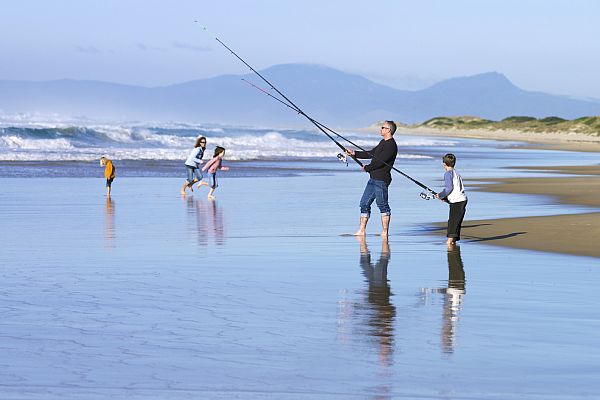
(449, 159)
(392, 126)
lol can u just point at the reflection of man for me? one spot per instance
(453, 299)
(381, 319)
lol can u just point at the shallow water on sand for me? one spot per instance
(256, 295)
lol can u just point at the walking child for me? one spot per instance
(212, 166)
(454, 194)
(192, 164)
(109, 172)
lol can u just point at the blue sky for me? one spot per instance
(550, 46)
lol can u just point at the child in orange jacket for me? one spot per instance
(109, 173)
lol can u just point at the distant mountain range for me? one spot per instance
(331, 96)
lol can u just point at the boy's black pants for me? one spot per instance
(455, 219)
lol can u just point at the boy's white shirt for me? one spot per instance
(458, 190)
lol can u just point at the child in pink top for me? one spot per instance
(212, 166)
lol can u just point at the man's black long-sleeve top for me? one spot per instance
(385, 151)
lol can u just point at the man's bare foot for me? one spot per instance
(211, 197)
(359, 233)
(384, 234)
(183, 192)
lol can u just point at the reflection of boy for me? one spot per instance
(454, 298)
(454, 194)
(109, 173)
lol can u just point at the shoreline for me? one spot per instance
(563, 233)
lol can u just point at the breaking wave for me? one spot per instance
(63, 142)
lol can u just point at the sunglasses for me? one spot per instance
(385, 127)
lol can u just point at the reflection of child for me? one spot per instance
(109, 173)
(454, 193)
(212, 166)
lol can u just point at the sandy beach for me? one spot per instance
(539, 140)
(570, 233)
(150, 296)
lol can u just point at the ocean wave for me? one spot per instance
(16, 142)
(55, 142)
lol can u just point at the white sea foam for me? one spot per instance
(174, 141)
(16, 142)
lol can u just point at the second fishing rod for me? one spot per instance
(289, 103)
(424, 195)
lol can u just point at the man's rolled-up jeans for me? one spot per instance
(377, 191)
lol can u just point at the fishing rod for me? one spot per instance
(341, 156)
(321, 127)
(291, 103)
(425, 196)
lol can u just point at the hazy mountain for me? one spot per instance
(333, 97)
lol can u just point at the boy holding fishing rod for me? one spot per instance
(454, 195)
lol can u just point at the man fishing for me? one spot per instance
(382, 160)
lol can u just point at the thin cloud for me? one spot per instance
(191, 47)
(143, 47)
(88, 49)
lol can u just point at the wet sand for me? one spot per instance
(257, 296)
(569, 234)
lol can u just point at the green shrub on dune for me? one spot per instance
(552, 120)
(583, 125)
(519, 119)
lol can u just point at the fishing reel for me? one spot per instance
(431, 195)
(342, 157)
(427, 196)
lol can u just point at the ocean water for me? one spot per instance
(52, 142)
(151, 295)
(72, 149)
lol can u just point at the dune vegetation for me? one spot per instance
(583, 125)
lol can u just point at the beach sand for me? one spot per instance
(570, 233)
(150, 295)
(258, 295)
(532, 140)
